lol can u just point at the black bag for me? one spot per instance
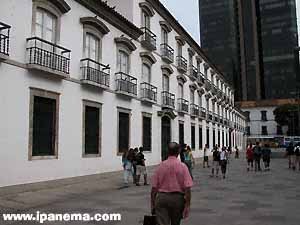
(149, 220)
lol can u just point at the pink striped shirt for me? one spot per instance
(172, 176)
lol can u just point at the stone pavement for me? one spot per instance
(264, 198)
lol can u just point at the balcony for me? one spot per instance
(221, 120)
(194, 110)
(202, 113)
(181, 64)
(4, 41)
(168, 100)
(94, 73)
(193, 73)
(216, 118)
(183, 105)
(48, 57)
(210, 116)
(167, 53)
(207, 85)
(200, 79)
(148, 93)
(126, 85)
(214, 90)
(148, 39)
(219, 94)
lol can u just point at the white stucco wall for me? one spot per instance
(16, 79)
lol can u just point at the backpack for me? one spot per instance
(257, 151)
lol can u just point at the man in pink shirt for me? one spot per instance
(171, 189)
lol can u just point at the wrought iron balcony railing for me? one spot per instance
(148, 39)
(168, 99)
(148, 92)
(193, 72)
(200, 79)
(181, 63)
(4, 39)
(183, 105)
(210, 116)
(167, 53)
(95, 73)
(202, 113)
(126, 84)
(45, 54)
(216, 118)
(208, 84)
(194, 110)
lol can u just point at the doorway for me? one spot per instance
(165, 136)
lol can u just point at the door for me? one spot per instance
(165, 136)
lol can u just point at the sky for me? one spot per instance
(187, 13)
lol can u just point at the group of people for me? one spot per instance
(133, 161)
(293, 154)
(255, 153)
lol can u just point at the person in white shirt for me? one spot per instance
(223, 161)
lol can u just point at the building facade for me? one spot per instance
(82, 80)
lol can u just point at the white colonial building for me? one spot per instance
(81, 80)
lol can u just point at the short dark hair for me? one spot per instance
(173, 149)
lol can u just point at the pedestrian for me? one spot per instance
(182, 150)
(216, 161)
(236, 152)
(249, 156)
(205, 156)
(189, 160)
(171, 189)
(223, 161)
(290, 155)
(297, 155)
(266, 155)
(141, 169)
(133, 154)
(127, 166)
(257, 156)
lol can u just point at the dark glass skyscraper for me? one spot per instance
(262, 34)
(219, 36)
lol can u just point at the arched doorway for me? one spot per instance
(165, 136)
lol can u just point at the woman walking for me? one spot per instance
(250, 157)
(223, 161)
(127, 166)
(205, 156)
(189, 160)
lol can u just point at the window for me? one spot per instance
(192, 96)
(219, 138)
(145, 20)
(247, 113)
(180, 91)
(264, 115)
(207, 104)
(146, 73)
(200, 138)
(124, 130)
(214, 137)
(123, 61)
(166, 83)
(179, 49)
(92, 129)
(264, 130)
(147, 133)
(248, 131)
(181, 133)
(45, 25)
(198, 65)
(43, 124)
(193, 141)
(200, 100)
(164, 36)
(207, 137)
(92, 47)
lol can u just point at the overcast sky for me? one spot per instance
(187, 13)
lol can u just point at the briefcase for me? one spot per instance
(149, 220)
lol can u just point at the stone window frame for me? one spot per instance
(127, 46)
(98, 105)
(148, 59)
(93, 31)
(45, 94)
(149, 115)
(51, 8)
(124, 110)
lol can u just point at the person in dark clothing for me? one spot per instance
(141, 167)
(297, 154)
(216, 161)
(237, 152)
(134, 162)
(290, 155)
(257, 156)
(182, 150)
(266, 155)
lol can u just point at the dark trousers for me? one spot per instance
(257, 164)
(189, 165)
(223, 166)
(169, 208)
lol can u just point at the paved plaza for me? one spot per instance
(264, 198)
